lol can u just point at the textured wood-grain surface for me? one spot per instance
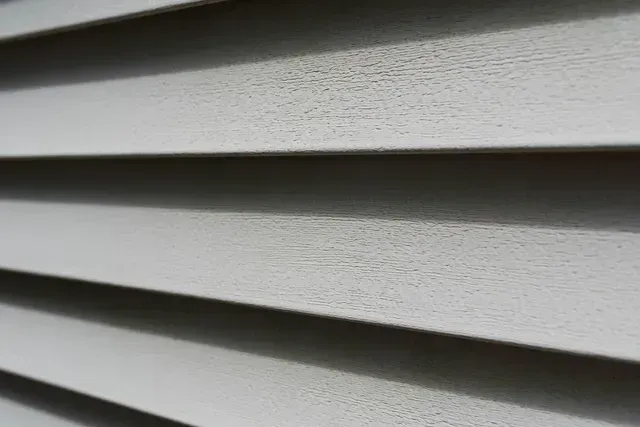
(213, 364)
(539, 250)
(20, 18)
(306, 76)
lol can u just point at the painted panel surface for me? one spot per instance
(539, 250)
(16, 414)
(296, 76)
(26, 403)
(214, 364)
(19, 18)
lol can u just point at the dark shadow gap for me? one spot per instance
(74, 407)
(564, 190)
(236, 32)
(587, 387)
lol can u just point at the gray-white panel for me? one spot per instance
(538, 250)
(26, 403)
(20, 18)
(212, 364)
(314, 76)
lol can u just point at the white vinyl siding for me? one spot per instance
(499, 247)
(27, 403)
(23, 18)
(213, 364)
(318, 76)
(320, 213)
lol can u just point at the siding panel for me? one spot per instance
(154, 270)
(20, 18)
(212, 364)
(291, 76)
(539, 250)
(25, 403)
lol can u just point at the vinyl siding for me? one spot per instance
(212, 364)
(539, 250)
(320, 213)
(317, 76)
(27, 403)
(27, 18)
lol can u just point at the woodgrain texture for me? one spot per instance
(539, 250)
(20, 18)
(213, 364)
(314, 76)
(25, 403)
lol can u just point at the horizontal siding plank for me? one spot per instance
(539, 250)
(26, 403)
(300, 76)
(212, 364)
(16, 414)
(20, 18)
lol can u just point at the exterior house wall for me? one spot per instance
(459, 250)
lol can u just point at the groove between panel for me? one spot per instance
(212, 364)
(538, 250)
(27, 403)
